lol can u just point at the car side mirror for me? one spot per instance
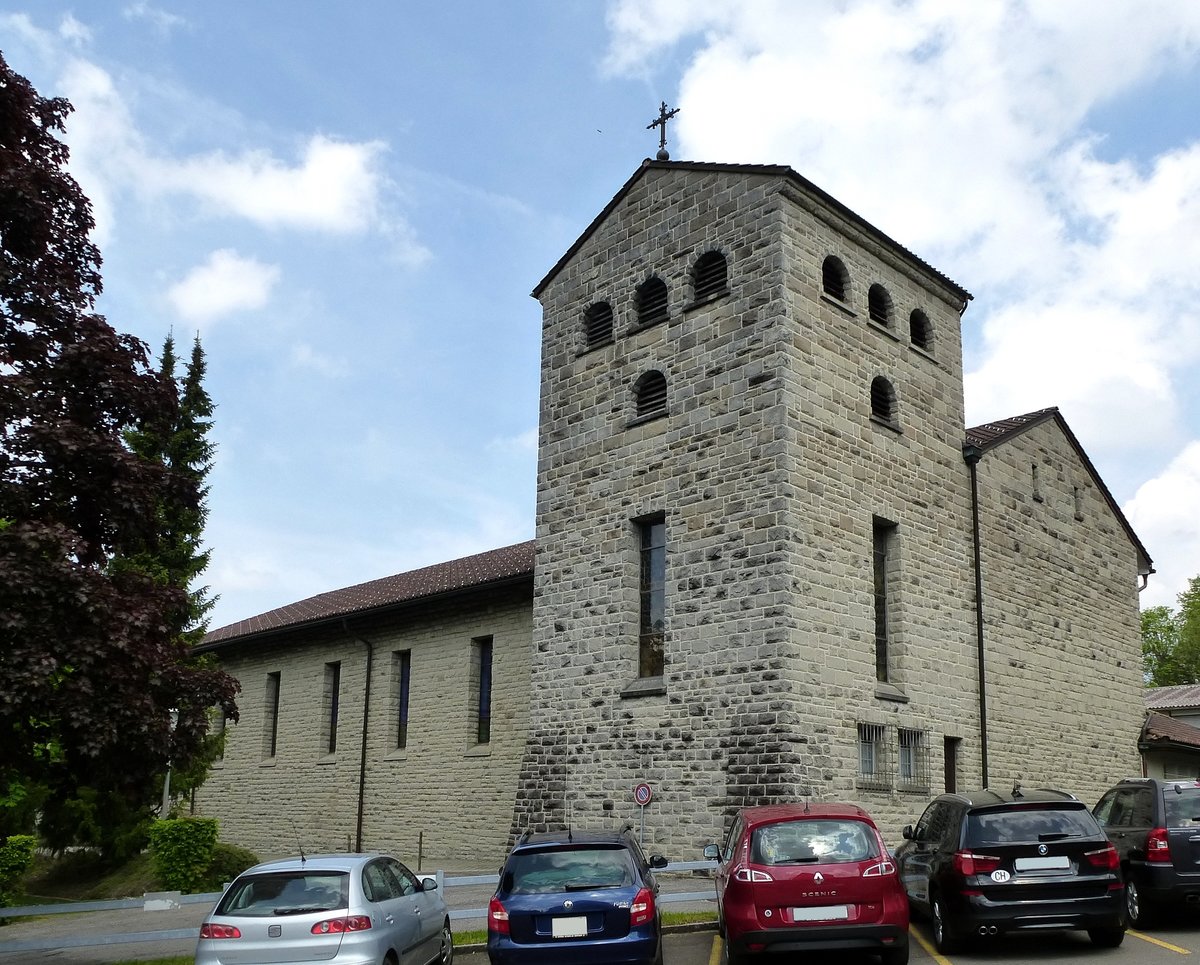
(712, 852)
(907, 833)
(428, 884)
(657, 861)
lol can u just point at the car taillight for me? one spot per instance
(497, 917)
(208, 930)
(1105, 858)
(642, 909)
(339, 926)
(967, 864)
(751, 874)
(1158, 847)
(883, 868)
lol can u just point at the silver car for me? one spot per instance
(345, 909)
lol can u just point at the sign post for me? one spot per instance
(642, 795)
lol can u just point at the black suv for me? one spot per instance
(1155, 827)
(983, 863)
(576, 896)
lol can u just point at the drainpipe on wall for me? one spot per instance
(362, 762)
(972, 455)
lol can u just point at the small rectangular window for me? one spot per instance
(401, 676)
(481, 648)
(270, 742)
(873, 768)
(331, 700)
(653, 594)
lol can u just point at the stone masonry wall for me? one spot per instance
(444, 793)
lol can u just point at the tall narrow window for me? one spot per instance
(482, 672)
(401, 676)
(331, 700)
(883, 537)
(653, 582)
(950, 763)
(270, 743)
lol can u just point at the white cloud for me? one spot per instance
(160, 19)
(1163, 512)
(304, 356)
(225, 284)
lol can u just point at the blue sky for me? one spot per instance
(350, 202)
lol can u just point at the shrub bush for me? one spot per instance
(16, 858)
(228, 861)
(182, 849)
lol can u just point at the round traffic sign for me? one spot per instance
(642, 794)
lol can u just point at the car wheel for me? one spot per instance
(1137, 912)
(944, 938)
(446, 955)
(1106, 937)
(895, 956)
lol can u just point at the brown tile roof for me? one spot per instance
(1173, 698)
(991, 434)
(500, 566)
(1167, 730)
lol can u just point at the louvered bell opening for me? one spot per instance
(652, 394)
(882, 399)
(652, 302)
(879, 305)
(711, 276)
(598, 324)
(920, 330)
(833, 279)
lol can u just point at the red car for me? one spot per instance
(805, 877)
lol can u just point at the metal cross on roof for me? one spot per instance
(661, 121)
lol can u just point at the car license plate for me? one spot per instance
(1058, 862)
(823, 913)
(574, 927)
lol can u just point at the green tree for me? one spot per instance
(92, 662)
(1171, 640)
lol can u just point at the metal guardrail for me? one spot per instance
(170, 900)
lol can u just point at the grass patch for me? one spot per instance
(80, 876)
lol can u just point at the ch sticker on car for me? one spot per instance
(1000, 875)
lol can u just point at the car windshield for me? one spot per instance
(1023, 825)
(812, 840)
(1181, 805)
(286, 893)
(568, 869)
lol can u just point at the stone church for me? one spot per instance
(771, 563)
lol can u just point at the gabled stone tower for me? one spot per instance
(754, 574)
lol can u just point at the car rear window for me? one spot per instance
(286, 893)
(568, 869)
(1029, 824)
(1181, 805)
(812, 840)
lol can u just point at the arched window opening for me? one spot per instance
(710, 276)
(650, 395)
(879, 305)
(598, 324)
(920, 330)
(883, 400)
(652, 302)
(835, 280)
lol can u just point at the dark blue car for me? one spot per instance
(584, 897)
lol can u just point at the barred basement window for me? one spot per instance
(920, 330)
(879, 305)
(914, 759)
(650, 395)
(710, 276)
(883, 401)
(874, 770)
(598, 325)
(652, 302)
(835, 280)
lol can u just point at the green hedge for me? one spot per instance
(16, 858)
(182, 850)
